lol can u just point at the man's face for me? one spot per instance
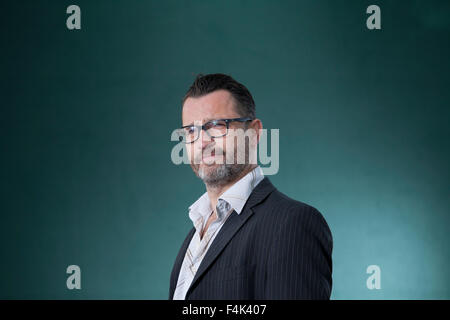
(210, 166)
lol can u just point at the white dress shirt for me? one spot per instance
(234, 198)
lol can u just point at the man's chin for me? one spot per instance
(207, 169)
(209, 163)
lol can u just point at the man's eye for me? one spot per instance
(215, 124)
(191, 130)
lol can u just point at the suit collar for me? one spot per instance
(231, 226)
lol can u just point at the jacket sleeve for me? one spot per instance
(299, 265)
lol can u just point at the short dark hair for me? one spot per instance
(204, 84)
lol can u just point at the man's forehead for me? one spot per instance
(216, 105)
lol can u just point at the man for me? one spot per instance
(249, 241)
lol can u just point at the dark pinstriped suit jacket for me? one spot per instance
(276, 248)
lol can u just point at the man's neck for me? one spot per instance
(216, 191)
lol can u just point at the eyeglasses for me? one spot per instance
(214, 128)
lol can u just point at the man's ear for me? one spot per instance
(257, 126)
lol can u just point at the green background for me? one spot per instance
(86, 117)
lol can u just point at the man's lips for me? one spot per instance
(208, 155)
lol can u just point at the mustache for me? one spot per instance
(208, 151)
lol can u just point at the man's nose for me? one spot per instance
(205, 139)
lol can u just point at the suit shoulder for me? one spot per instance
(295, 210)
(290, 205)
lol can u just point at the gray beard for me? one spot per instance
(221, 175)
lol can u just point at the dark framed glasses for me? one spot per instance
(214, 128)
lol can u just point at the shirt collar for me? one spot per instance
(234, 197)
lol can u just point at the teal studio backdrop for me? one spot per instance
(86, 117)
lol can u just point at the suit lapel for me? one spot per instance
(231, 226)
(179, 261)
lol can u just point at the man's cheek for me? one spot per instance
(194, 168)
(191, 153)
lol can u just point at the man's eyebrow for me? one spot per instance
(206, 120)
